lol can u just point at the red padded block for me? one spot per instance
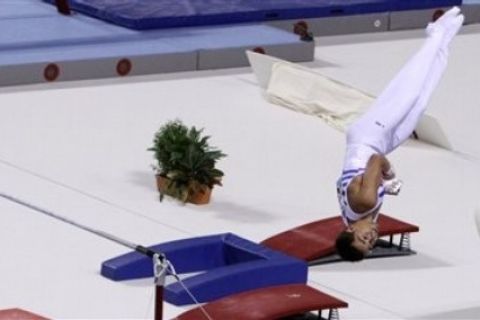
(19, 314)
(266, 304)
(309, 241)
(317, 239)
(389, 226)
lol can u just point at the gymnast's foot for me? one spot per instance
(453, 26)
(451, 13)
(442, 24)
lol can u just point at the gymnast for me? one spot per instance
(367, 174)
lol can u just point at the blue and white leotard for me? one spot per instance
(357, 156)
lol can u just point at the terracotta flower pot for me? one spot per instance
(199, 197)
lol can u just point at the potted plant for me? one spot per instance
(185, 167)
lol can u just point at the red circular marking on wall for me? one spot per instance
(51, 72)
(259, 50)
(124, 67)
(437, 14)
(300, 28)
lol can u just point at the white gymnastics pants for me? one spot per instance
(395, 113)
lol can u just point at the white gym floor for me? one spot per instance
(79, 149)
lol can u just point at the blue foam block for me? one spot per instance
(229, 264)
(140, 14)
(34, 46)
(225, 281)
(58, 30)
(17, 9)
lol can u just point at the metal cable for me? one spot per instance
(111, 237)
(172, 271)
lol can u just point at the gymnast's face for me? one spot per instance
(364, 237)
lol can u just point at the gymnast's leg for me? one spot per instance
(405, 90)
(408, 124)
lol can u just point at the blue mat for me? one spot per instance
(17, 9)
(155, 14)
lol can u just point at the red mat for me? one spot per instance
(266, 304)
(19, 314)
(317, 239)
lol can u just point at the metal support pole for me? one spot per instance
(160, 269)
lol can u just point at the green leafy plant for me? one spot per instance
(186, 159)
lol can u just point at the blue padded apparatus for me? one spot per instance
(141, 14)
(155, 14)
(25, 9)
(228, 264)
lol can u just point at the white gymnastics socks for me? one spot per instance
(442, 24)
(447, 26)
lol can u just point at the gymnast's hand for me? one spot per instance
(388, 172)
(391, 183)
(392, 186)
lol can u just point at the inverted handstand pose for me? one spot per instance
(367, 174)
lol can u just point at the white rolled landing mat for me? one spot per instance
(310, 92)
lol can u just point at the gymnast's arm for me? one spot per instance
(363, 194)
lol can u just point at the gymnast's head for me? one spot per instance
(354, 243)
